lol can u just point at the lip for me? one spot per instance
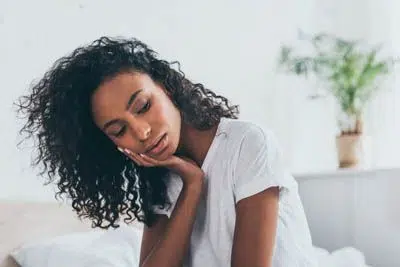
(157, 146)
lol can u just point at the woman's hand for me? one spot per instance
(186, 168)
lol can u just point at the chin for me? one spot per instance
(163, 156)
(167, 153)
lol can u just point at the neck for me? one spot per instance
(194, 143)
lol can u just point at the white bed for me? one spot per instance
(22, 222)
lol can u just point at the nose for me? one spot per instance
(141, 129)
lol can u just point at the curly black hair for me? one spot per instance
(102, 183)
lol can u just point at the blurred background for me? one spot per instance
(234, 48)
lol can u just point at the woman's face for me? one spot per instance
(136, 113)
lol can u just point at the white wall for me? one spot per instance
(358, 209)
(230, 46)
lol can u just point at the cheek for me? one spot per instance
(168, 111)
(161, 111)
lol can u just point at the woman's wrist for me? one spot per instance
(193, 185)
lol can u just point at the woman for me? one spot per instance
(122, 133)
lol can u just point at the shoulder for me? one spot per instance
(258, 163)
(241, 129)
(250, 136)
(248, 142)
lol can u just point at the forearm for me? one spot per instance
(173, 245)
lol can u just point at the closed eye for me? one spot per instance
(121, 132)
(145, 107)
(142, 110)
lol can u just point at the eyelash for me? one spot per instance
(145, 108)
(121, 132)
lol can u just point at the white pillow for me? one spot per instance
(115, 247)
(121, 247)
(344, 257)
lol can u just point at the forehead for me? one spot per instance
(111, 97)
(121, 86)
(124, 83)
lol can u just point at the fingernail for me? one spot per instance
(120, 149)
(127, 151)
(141, 155)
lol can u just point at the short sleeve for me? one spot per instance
(174, 186)
(259, 165)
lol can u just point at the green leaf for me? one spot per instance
(285, 54)
(350, 71)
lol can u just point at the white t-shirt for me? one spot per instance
(243, 160)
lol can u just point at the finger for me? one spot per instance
(141, 159)
(149, 160)
(162, 163)
(132, 156)
(137, 160)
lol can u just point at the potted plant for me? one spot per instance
(350, 73)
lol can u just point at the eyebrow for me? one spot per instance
(128, 104)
